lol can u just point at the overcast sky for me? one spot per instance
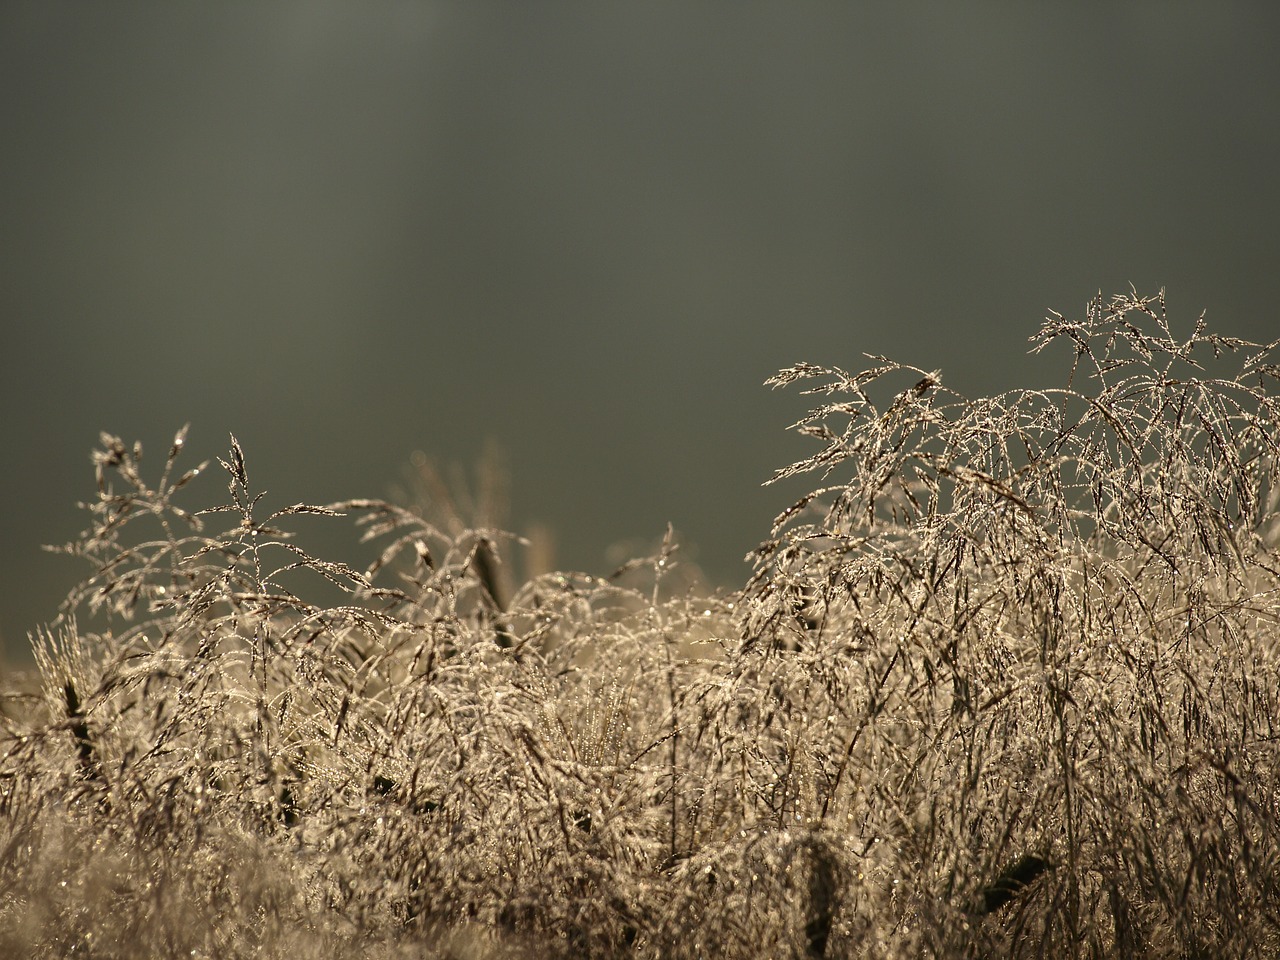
(584, 232)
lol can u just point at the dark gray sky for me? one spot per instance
(348, 231)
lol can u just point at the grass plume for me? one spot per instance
(1001, 685)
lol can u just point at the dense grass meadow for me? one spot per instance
(1005, 684)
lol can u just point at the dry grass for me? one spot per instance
(1005, 685)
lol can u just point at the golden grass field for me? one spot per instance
(1003, 685)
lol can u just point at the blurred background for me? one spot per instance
(583, 235)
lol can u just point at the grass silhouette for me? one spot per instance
(1002, 685)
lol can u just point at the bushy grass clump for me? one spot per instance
(1004, 685)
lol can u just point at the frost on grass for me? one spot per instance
(1002, 685)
